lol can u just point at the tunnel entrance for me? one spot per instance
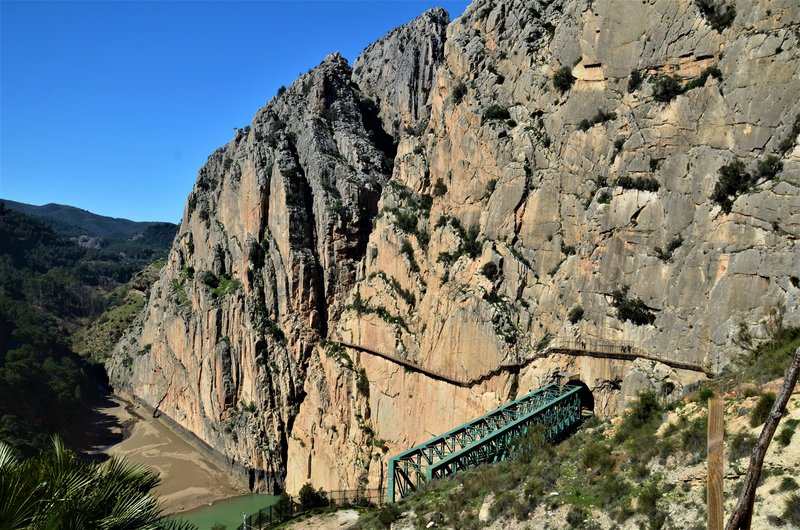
(584, 394)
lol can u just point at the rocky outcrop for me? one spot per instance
(549, 174)
(398, 72)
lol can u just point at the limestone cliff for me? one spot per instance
(541, 172)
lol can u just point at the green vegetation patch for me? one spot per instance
(601, 117)
(665, 255)
(717, 13)
(576, 314)
(61, 490)
(226, 287)
(638, 183)
(631, 309)
(784, 437)
(97, 340)
(788, 143)
(761, 411)
(769, 360)
(563, 79)
(469, 244)
(668, 87)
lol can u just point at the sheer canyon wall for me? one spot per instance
(464, 196)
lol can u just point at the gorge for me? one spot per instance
(466, 197)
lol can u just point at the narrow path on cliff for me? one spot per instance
(600, 349)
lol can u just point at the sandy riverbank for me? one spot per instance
(188, 480)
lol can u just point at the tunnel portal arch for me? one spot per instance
(584, 394)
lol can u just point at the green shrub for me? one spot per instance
(791, 509)
(672, 246)
(788, 484)
(648, 498)
(423, 238)
(532, 447)
(387, 514)
(770, 360)
(576, 517)
(597, 456)
(694, 438)
(666, 88)
(768, 168)
(408, 251)
(563, 79)
(700, 81)
(358, 305)
(733, 180)
(761, 411)
(601, 117)
(406, 221)
(741, 444)
(638, 183)
(362, 384)
(787, 144)
(492, 297)
(633, 310)
(634, 81)
(643, 414)
(576, 314)
(470, 244)
(405, 294)
(787, 431)
(227, 286)
(604, 197)
(313, 498)
(496, 112)
(612, 489)
(490, 270)
(502, 503)
(718, 14)
(439, 189)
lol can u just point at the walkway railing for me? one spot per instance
(486, 439)
(289, 507)
(609, 349)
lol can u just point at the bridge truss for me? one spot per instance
(486, 439)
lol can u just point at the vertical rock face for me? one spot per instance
(268, 248)
(398, 71)
(450, 203)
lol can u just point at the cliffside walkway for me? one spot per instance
(609, 349)
(486, 439)
(597, 348)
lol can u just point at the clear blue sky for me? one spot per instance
(114, 106)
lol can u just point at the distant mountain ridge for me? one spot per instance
(70, 221)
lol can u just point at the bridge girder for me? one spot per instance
(486, 439)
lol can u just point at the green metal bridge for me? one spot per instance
(486, 439)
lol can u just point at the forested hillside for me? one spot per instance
(49, 288)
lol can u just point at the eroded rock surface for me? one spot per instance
(445, 204)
